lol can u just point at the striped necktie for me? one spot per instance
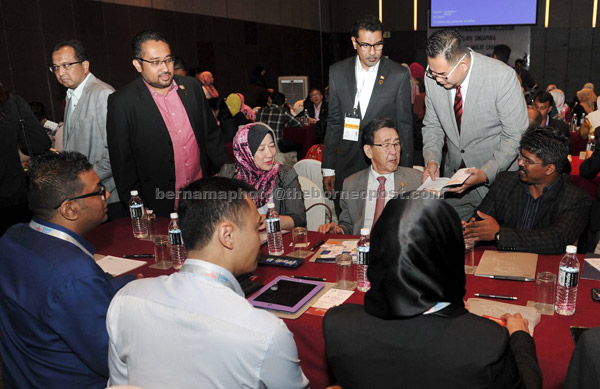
(458, 107)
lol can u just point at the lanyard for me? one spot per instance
(59, 235)
(437, 307)
(213, 274)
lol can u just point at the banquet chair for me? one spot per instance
(317, 212)
(311, 169)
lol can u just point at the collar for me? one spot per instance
(358, 67)
(213, 273)
(546, 189)
(374, 174)
(60, 232)
(465, 84)
(79, 90)
(155, 93)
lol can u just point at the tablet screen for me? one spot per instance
(286, 294)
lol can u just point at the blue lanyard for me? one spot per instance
(212, 274)
(59, 235)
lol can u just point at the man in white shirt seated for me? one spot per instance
(194, 328)
(366, 192)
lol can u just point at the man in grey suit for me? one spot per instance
(363, 88)
(475, 104)
(365, 193)
(85, 114)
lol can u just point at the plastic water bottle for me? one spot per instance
(568, 278)
(363, 248)
(306, 118)
(178, 253)
(573, 126)
(151, 223)
(591, 143)
(138, 220)
(275, 241)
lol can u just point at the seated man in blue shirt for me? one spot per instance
(53, 295)
(194, 328)
(536, 208)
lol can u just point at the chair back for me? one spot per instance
(317, 211)
(311, 169)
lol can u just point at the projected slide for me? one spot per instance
(454, 13)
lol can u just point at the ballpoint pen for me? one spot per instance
(138, 256)
(511, 278)
(310, 278)
(495, 296)
(317, 245)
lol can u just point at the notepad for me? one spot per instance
(116, 266)
(516, 265)
(591, 267)
(484, 307)
(441, 184)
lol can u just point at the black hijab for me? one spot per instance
(417, 259)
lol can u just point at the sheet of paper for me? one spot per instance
(591, 267)
(334, 247)
(116, 266)
(333, 298)
(495, 309)
(441, 184)
(511, 264)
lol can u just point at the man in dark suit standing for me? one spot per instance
(363, 88)
(161, 133)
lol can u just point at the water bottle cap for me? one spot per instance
(572, 249)
(365, 231)
(149, 211)
(174, 215)
(271, 205)
(134, 192)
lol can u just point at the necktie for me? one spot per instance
(458, 107)
(380, 199)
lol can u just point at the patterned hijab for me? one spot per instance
(245, 143)
(207, 80)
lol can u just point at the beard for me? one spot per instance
(159, 83)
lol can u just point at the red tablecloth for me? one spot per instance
(304, 136)
(552, 337)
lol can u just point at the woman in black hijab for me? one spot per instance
(414, 330)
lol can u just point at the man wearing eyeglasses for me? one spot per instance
(474, 105)
(53, 295)
(536, 208)
(84, 127)
(161, 132)
(364, 88)
(365, 193)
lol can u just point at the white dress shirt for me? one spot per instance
(371, 199)
(73, 95)
(189, 330)
(464, 87)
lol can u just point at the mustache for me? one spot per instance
(167, 73)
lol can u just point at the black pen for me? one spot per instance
(495, 296)
(310, 278)
(317, 245)
(510, 278)
(138, 256)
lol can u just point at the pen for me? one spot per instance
(495, 296)
(310, 278)
(317, 245)
(511, 278)
(138, 256)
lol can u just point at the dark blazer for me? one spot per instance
(390, 98)
(310, 109)
(140, 148)
(559, 125)
(427, 351)
(584, 369)
(560, 219)
(589, 169)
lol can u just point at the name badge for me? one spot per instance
(351, 128)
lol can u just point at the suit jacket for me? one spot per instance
(353, 207)
(559, 221)
(310, 109)
(85, 131)
(427, 351)
(584, 369)
(493, 120)
(140, 148)
(390, 98)
(559, 125)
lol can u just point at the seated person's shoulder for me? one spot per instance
(577, 195)
(412, 177)
(227, 170)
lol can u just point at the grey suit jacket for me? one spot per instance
(354, 195)
(390, 98)
(494, 118)
(85, 131)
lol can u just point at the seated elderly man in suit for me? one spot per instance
(366, 192)
(536, 208)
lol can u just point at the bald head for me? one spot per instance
(535, 117)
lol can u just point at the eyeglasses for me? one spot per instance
(155, 64)
(435, 76)
(315, 95)
(378, 46)
(65, 66)
(528, 161)
(388, 146)
(100, 192)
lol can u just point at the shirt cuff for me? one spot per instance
(328, 172)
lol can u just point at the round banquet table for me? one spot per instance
(552, 336)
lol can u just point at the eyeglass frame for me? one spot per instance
(54, 68)
(388, 146)
(364, 46)
(157, 63)
(430, 74)
(527, 161)
(100, 192)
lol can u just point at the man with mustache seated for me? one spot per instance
(365, 193)
(161, 132)
(536, 208)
